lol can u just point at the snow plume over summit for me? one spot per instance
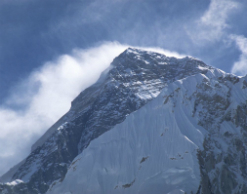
(37, 102)
(45, 95)
(134, 78)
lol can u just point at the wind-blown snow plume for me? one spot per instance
(45, 96)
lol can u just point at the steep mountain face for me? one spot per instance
(151, 124)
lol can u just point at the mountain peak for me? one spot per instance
(134, 79)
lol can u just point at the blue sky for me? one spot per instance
(53, 49)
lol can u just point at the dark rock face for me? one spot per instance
(220, 108)
(223, 159)
(134, 78)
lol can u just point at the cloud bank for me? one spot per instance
(41, 99)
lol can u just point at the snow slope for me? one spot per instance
(155, 149)
(152, 151)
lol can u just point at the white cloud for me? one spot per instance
(240, 67)
(46, 95)
(216, 17)
(213, 26)
(213, 23)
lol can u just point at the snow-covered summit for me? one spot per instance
(134, 116)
